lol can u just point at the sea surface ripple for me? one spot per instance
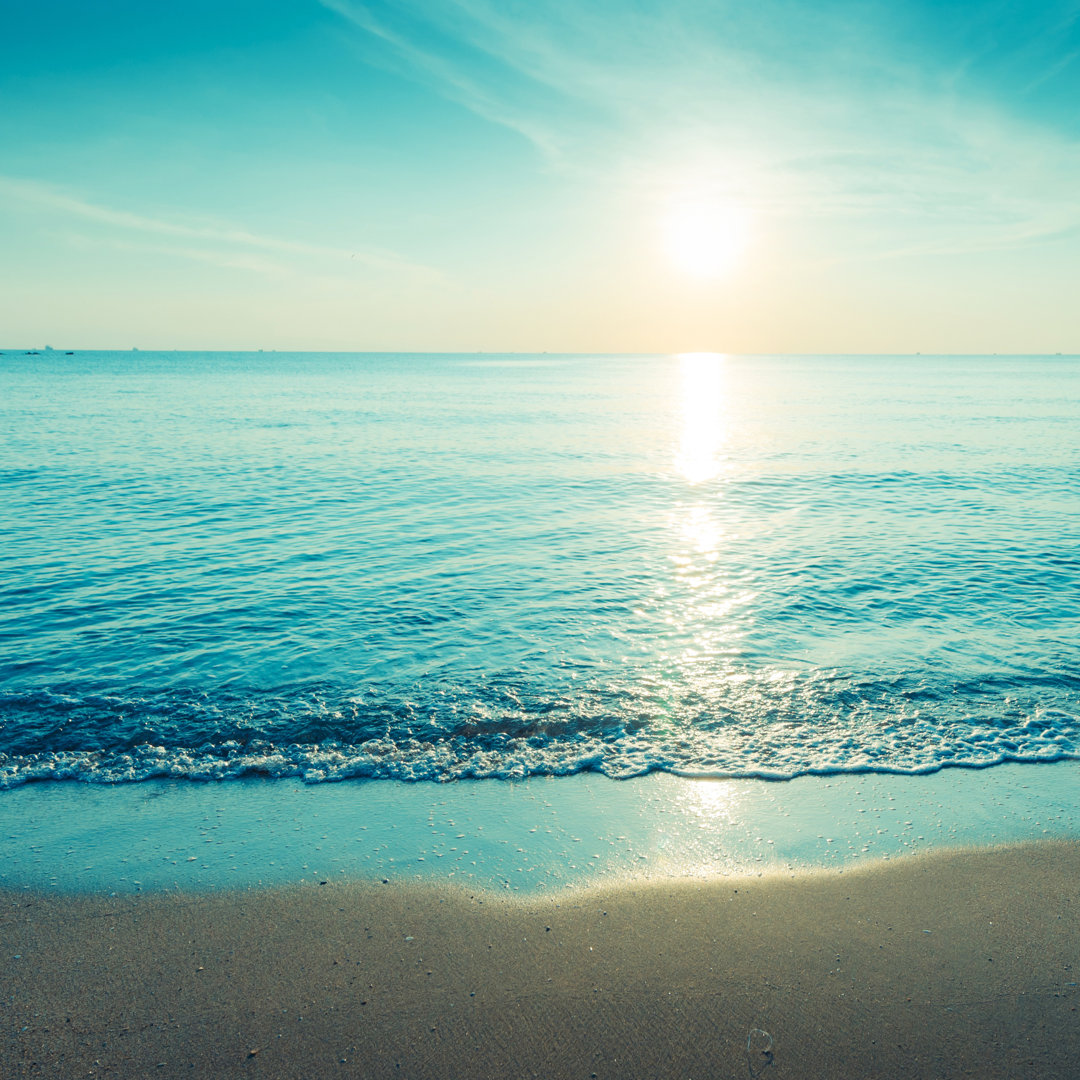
(436, 567)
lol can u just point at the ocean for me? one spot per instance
(224, 566)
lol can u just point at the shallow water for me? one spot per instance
(437, 567)
(536, 835)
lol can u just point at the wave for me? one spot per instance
(777, 725)
(443, 762)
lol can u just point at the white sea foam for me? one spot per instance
(509, 759)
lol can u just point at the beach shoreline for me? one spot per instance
(944, 963)
(540, 834)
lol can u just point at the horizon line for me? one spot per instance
(39, 350)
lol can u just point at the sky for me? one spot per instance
(541, 175)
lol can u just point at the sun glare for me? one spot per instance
(706, 239)
(702, 434)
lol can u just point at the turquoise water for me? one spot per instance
(223, 566)
(528, 836)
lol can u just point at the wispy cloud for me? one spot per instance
(47, 196)
(1053, 70)
(442, 69)
(228, 260)
(808, 111)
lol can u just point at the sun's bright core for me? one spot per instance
(706, 239)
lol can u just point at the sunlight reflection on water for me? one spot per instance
(703, 399)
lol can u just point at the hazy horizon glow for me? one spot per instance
(590, 176)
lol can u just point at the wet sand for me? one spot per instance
(955, 963)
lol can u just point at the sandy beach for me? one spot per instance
(960, 963)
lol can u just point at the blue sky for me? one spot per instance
(473, 175)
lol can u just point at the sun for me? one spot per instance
(705, 239)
